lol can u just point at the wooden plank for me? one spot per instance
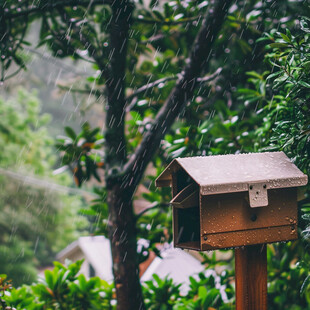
(175, 226)
(232, 212)
(190, 245)
(249, 237)
(251, 277)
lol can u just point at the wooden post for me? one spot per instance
(251, 277)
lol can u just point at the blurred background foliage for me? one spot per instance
(253, 96)
(34, 211)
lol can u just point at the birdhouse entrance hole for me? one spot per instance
(188, 232)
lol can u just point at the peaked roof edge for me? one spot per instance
(165, 179)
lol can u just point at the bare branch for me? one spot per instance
(182, 92)
(211, 77)
(56, 62)
(94, 92)
(168, 22)
(154, 205)
(7, 77)
(144, 88)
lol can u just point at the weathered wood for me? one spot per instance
(251, 277)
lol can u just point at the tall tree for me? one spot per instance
(69, 28)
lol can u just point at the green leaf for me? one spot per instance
(285, 37)
(158, 15)
(212, 297)
(82, 282)
(70, 132)
(304, 25)
(302, 83)
(202, 292)
(49, 278)
(273, 75)
(278, 45)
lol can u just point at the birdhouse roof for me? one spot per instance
(235, 173)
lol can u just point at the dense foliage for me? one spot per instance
(32, 215)
(64, 288)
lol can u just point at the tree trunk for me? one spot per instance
(122, 235)
(122, 222)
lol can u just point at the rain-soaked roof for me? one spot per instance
(235, 173)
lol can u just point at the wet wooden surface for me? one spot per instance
(251, 277)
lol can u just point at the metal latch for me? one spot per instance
(258, 196)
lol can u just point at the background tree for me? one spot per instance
(32, 215)
(150, 61)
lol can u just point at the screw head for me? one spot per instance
(205, 237)
(253, 217)
(251, 187)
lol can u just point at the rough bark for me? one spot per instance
(122, 235)
(122, 225)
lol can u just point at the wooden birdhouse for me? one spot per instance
(229, 201)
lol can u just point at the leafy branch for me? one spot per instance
(182, 91)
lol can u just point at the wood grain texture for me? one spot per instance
(249, 237)
(251, 277)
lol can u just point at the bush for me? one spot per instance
(62, 288)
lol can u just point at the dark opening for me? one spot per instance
(92, 272)
(187, 220)
(183, 179)
(188, 225)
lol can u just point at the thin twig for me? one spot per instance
(154, 205)
(144, 88)
(12, 74)
(211, 77)
(94, 92)
(56, 62)
(167, 22)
